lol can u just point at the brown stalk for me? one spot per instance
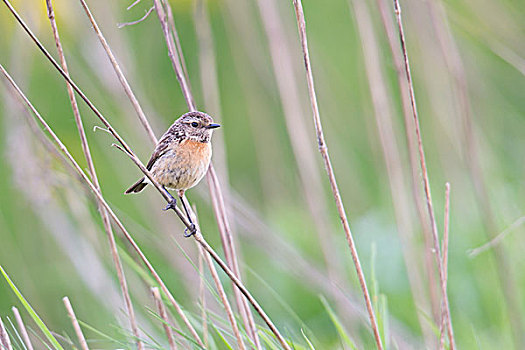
(5, 342)
(224, 298)
(94, 178)
(210, 84)
(323, 149)
(175, 34)
(76, 325)
(230, 254)
(392, 155)
(444, 321)
(97, 193)
(202, 296)
(215, 191)
(174, 56)
(22, 329)
(426, 182)
(456, 69)
(164, 316)
(398, 61)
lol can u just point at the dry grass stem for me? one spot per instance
(129, 92)
(384, 117)
(76, 325)
(164, 316)
(175, 35)
(398, 61)
(230, 254)
(143, 18)
(455, 66)
(202, 297)
(426, 182)
(22, 329)
(444, 321)
(174, 56)
(224, 298)
(323, 149)
(5, 342)
(497, 239)
(92, 172)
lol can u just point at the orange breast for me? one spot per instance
(184, 165)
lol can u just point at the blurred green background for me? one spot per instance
(246, 69)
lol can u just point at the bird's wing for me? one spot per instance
(161, 148)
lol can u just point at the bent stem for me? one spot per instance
(323, 149)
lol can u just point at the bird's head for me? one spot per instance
(197, 126)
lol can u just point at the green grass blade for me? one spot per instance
(32, 312)
(345, 338)
(310, 345)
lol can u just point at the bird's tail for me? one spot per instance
(137, 187)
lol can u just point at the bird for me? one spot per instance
(181, 158)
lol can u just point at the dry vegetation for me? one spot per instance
(406, 102)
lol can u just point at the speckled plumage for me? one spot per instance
(182, 156)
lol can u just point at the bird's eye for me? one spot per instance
(195, 124)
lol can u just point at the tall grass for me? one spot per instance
(286, 277)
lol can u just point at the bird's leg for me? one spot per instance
(192, 229)
(172, 203)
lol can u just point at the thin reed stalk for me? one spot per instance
(392, 155)
(456, 70)
(398, 61)
(76, 325)
(164, 316)
(202, 297)
(5, 342)
(174, 56)
(92, 172)
(323, 149)
(446, 228)
(224, 298)
(230, 254)
(22, 329)
(426, 182)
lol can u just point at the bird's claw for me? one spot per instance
(192, 230)
(171, 205)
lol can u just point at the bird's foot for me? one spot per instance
(171, 205)
(188, 232)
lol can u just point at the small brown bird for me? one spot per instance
(181, 158)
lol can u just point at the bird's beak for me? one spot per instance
(212, 126)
